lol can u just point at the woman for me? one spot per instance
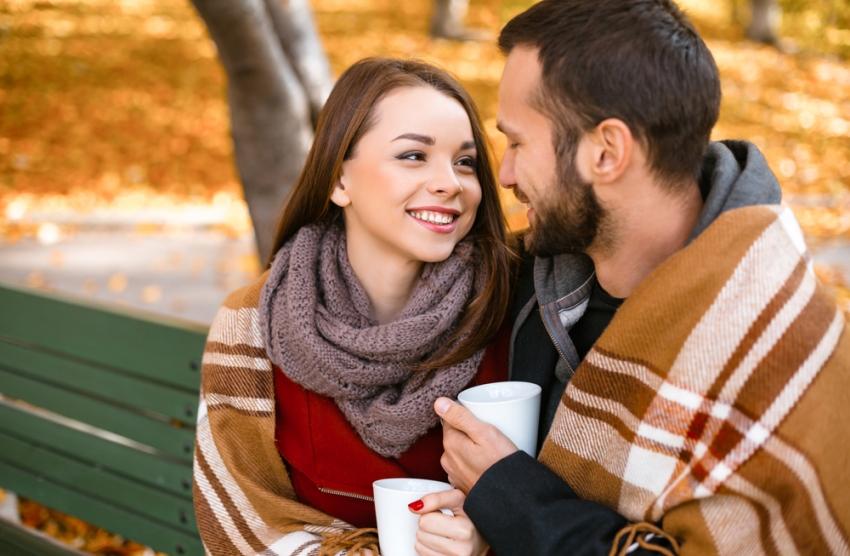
(390, 279)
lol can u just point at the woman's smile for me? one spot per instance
(436, 219)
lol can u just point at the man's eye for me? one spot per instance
(413, 155)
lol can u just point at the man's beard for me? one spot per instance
(569, 219)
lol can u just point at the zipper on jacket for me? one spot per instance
(554, 343)
(335, 492)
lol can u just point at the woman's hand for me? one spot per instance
(443, 535)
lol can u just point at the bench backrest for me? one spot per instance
(97, 415)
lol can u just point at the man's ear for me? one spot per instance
(612, 148)
(339, 196)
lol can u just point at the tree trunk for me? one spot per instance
(764, 20)
(447, 18)
(735, 12)
(296, 31)
(269, 109)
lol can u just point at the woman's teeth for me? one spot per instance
(432, 217)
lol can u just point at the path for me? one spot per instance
(161, 261)
(171, 261)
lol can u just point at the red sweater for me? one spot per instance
(330, 467)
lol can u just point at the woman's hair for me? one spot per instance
(347, 115)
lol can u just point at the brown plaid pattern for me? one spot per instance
(244, 502)
(709, 404)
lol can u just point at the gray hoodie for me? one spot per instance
(734, 174)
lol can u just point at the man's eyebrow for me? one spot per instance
(505, 128)
(416, 137)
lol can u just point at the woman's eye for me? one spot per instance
(468, 162)
(413, 155)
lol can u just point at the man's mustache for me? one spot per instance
(520, 196)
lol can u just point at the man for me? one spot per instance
(707, 412)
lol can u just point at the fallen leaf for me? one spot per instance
(117, 283)
(151, 294)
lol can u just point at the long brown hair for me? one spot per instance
(348, 114)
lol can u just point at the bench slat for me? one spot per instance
(157, 434)
(91, 509)
(21, 540)
(154, 469)
(176, 403)
(88, 479)
(164, 349)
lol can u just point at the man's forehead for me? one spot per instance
(522, 64)
(520, 76)
(518, 87)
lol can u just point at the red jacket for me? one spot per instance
(330, 467)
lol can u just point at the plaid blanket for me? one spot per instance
(244, 501)
(717, 402)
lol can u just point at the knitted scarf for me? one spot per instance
(717, 400)
(318, 329)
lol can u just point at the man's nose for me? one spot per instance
(506, 170)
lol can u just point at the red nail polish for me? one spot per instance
(416, 505)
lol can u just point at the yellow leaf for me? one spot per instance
(117, 283)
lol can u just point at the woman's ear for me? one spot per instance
(339, 196)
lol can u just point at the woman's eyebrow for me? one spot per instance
(467, 145)
(416, 137)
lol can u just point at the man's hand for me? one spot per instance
(470, 446)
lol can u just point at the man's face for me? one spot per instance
(564, 214)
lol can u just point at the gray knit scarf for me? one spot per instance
(318, 329)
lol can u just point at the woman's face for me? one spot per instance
(410, 190)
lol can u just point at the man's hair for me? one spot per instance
(640, 61)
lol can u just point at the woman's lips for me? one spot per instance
(442, 221)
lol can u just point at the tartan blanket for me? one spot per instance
(244, 501)
(717, 402)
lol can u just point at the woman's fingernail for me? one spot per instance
(442, 405)
(416, 505)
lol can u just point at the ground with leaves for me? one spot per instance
(119, 105)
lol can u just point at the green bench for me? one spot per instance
(97, 419)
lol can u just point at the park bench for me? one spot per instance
(97, 415)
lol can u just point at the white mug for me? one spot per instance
(513, 407)
(397, 525)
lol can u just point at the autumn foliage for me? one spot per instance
(121, 104)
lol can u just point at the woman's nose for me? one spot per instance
(445, 181)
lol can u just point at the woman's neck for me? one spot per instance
(387, 278)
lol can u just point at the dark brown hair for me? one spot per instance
(640, 61)
(347, 115)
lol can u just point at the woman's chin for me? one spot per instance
(436, 254)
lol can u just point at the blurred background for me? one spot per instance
(118, 180)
